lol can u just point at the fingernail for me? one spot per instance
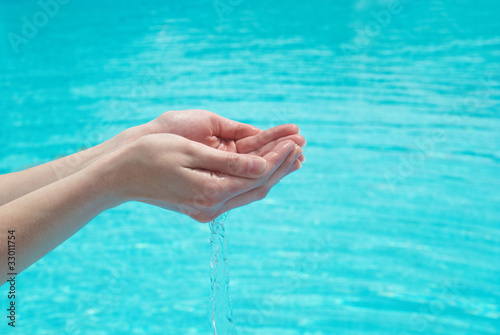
(298, 152)
(296, 168)
(289, 145)
(257, 165)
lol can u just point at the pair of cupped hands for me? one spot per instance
(201, 164)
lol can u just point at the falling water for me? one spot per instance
(220, 312)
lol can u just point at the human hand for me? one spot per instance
(202, 179)
(207, 128)
(221, 133)
(178, 174)
(197, 125)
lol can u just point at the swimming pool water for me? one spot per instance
(391, 227)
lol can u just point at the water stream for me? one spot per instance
(220, 311)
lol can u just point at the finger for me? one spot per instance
(230, 129)
(229, 163)
(290, 164)
(228, 186)
(298, 139)
(216, 189)
(233, 186)
(255, 142)
(295, 166)
(240, 200)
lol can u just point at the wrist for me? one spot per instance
(124, 138)
(71, 164)
(66, 166)
(106, 173)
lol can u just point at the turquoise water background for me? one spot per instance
(391, 227)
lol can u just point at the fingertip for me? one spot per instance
(287, 129)
(293, 127)
(297, 138)
(295, 166)
(281, 151)
(289, 145)
(299, 166)
(298, 152)
(300, 140)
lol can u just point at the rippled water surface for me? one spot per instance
(391, 227)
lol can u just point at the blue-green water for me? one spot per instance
(391, 227)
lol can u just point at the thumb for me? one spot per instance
(231, 163)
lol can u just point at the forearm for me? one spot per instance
(45, 218)
(18, 184)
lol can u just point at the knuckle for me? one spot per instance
(189, 148)
(233, 163)
(267, 136)
(239, 129)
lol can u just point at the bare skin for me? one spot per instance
(193, 162)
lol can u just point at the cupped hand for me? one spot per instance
(206, 128)
(221, 133)
(189, 177)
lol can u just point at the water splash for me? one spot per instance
(220, 312)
